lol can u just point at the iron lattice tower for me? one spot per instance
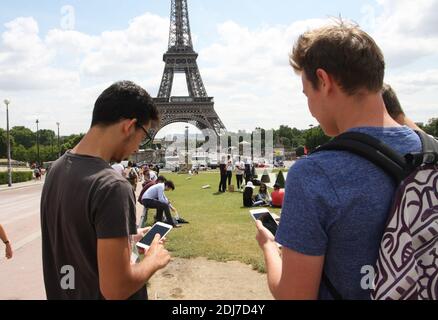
(197, 107)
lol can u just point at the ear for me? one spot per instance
(325, 81)
(128, 125)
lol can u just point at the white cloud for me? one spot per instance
(248, 71)
(136, 51)
(57, 76)
(407, 30)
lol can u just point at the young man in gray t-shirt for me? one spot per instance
(88, 213)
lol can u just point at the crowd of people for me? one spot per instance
(242, 170)
(334, 208)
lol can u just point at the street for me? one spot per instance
(21, 278)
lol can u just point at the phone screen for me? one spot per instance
(267, 221)
(149, 237)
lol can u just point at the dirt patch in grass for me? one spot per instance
(202, 279)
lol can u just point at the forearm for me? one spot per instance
(3, 236)
(274, 268)
(141, 273)
(135, 278)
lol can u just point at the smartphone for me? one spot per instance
(159, 228)
(266, 218)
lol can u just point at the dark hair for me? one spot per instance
(263, 185)
(124, 100)
(130, 163)
(161, 179)
(169, 184)
(345, 52)
(277, 186)
(391, 102)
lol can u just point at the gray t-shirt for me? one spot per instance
(83, 200)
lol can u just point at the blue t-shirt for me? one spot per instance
(336, 205)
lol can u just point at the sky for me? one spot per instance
(56, 57)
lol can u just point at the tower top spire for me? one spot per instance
(180, 37)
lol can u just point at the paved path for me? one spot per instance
(21, 277)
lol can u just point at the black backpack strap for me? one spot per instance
(373, 150)
(384, 157)
(429, 154)
(429, 143)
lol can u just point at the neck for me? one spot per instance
(96, 143)
(367, 110)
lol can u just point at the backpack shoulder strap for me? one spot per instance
(428, 155)
(373, 150)
(429, 143)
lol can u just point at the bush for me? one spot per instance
(17, 176)
(280, 180)
(265, 177)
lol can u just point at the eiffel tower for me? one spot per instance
(198, 107)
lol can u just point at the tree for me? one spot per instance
(432, 127)
(289, 137)
(286, 142)
(23, 136)
(71, 141)
(46, 137)
(20, 153)
(300, 151)
(280, 180)
(3, 144)
(315, 137)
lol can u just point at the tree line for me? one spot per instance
(24, 141)
(24, 145)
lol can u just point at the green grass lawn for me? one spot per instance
(220, 228)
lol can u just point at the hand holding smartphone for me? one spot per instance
(159, 228)
(266, 218)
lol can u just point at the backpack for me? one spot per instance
(407, 267)
(132, 175)
(146, 186)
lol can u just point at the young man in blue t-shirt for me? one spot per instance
(336, 203)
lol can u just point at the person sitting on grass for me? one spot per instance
(263, 198)
(248, 200)
(277, 196)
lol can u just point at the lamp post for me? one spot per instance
(38, 143)
(59, 148)
(187, 148)
(7, 103)
(196, 147)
